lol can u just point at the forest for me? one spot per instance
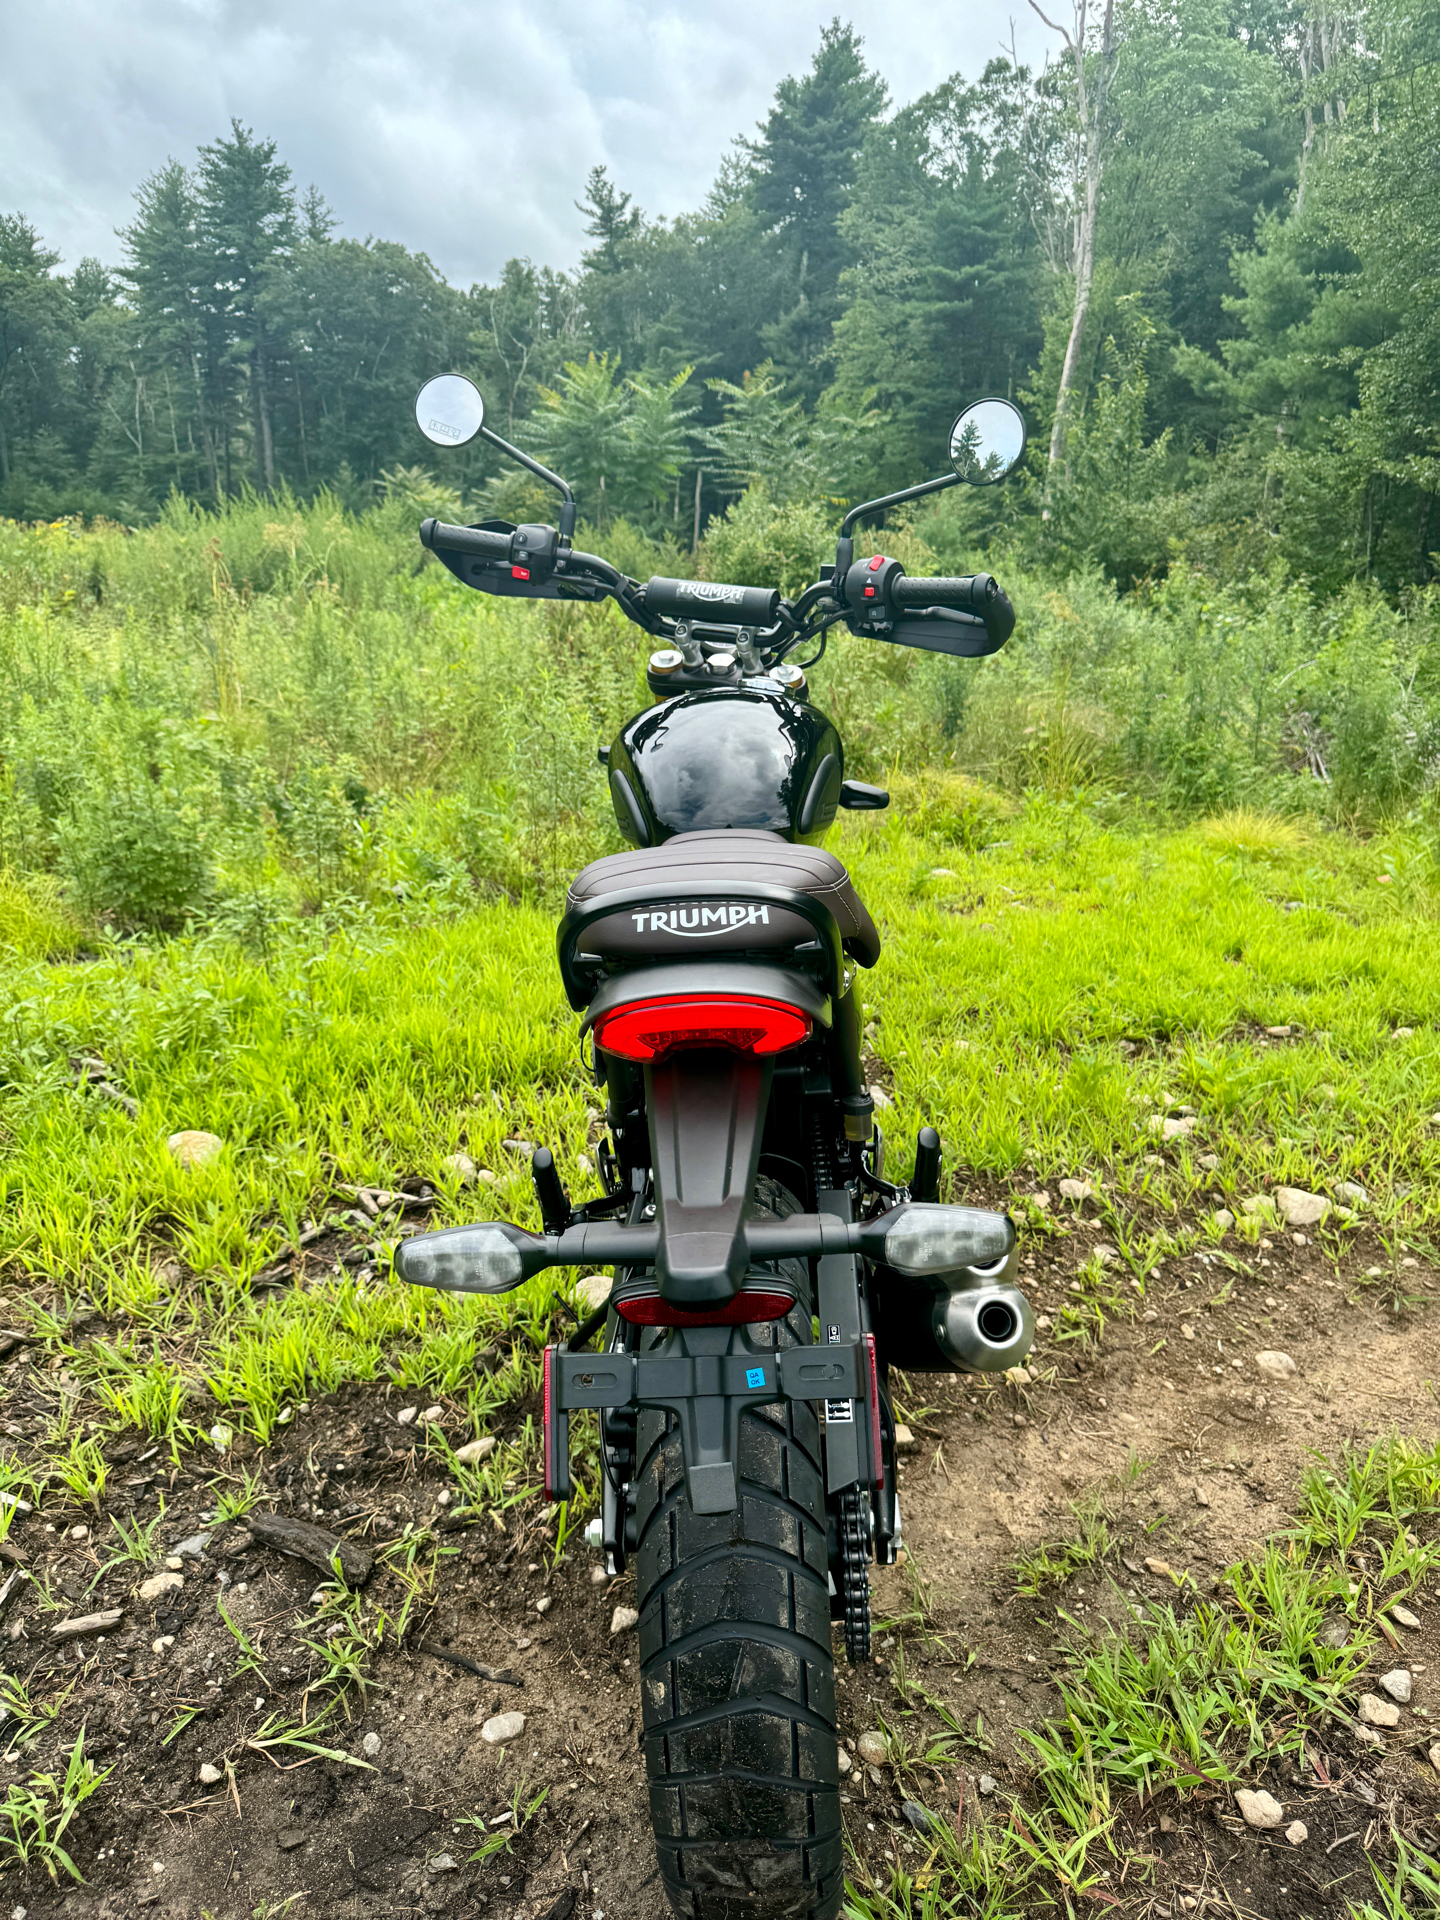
(1198, 246)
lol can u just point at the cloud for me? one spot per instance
(465, 131)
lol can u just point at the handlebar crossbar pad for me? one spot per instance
(712, 600)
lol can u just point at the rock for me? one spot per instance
(623, 1620)
(370, 1746)
(987, 1784)
(545, 1604)
(1040, 1198)
(1188, 1333)
(1203, 1499)
(406, 1416)
(79, 1624)
(1297, 1833)
(1350, 1193)
(462, 1167)
(1275, 1365)
(1398, 1684)
(501, 1728)
(432, 1414)
(598, 1577)
(1259, 1809)
(1106, 1254)
(1279, 1033)
(1209, 1161)
(440, 1864)
(192, 1547)
(943, 873)
(871, 1748)
(881, 1098)
(843, 1762)
(194, 1148)
(594, 1291)
(1335, 1634)
(1368, 1737)
(476, 1451)
(1404, 1616)
(210, 1774)
(1436, 1757)
(161, 1584)
(289, 1838)
(1171, 1130)
(1155, 1565)
(905, 1440)
(1077, 1191)
(1300, 1209)
(921, 1819)
(1378, 1713)
(1260, 1207)
(1018, 1376)
(1224, 1219)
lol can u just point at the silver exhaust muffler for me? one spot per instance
(985, 1324)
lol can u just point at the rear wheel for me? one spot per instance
(737, 1675)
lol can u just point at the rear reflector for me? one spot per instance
(646, 1030)
(751, 1304)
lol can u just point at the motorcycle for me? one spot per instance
(767, 1274)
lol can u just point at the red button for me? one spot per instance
(520, 573)
(878, 560)
(870, 593)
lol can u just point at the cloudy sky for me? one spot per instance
(465, 130)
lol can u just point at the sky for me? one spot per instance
(465, 131)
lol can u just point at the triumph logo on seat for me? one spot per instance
(701, 923)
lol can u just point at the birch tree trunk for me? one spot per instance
(1091, 99)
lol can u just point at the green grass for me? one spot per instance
(1195, 1693)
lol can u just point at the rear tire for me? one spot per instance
(737, 1675)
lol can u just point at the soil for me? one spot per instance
(995, 1468)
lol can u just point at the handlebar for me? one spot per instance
(436, 534)
(969, 593)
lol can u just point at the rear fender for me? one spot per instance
(705, 1112)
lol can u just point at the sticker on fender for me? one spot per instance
(838, 1411)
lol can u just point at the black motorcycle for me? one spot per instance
(767, 1274)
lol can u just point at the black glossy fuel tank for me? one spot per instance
(727, 757)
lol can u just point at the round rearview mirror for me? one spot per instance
(449, 410)
(987, 441)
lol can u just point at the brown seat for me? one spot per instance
(725, 859)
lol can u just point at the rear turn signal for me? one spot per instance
(646, 1030)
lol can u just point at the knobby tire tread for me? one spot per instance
(737, 1673)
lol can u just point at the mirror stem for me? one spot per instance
(567, 512)
(869, 507)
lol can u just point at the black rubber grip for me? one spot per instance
(464, 540)
(712, 600)
(970, 593)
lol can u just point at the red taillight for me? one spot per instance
(646, 1030)
(751, 1304)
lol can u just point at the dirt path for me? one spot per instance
(995, 1470)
